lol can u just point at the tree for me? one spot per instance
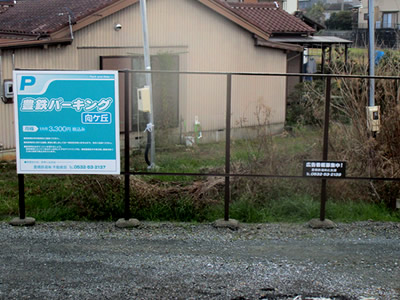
(340, 21)
(316, 12)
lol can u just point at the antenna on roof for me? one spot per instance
(71, 16)
(276, 4)
(71, 20)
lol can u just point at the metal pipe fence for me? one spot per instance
(228, 174)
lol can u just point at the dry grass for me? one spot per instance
(367, 154)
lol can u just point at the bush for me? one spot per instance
(341, 20)
(350, 140)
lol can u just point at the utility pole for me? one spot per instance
(373, 112)
(371, 51)
(147, 64)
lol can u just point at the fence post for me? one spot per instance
(126, 149)
(227, 222)
(323, 60)
(127, 222)
(325, 144)
(228, 145)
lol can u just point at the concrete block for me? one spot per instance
(318, 224)
(131, 223)
(22, 222)
(231, 224)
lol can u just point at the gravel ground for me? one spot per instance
(79, 260)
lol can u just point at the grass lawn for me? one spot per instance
(187, 198)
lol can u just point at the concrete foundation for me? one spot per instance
(131, 223)
(318, 224)
(231, 224)
(22, 222)
(7, 155)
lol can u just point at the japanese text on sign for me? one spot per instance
(327, 169)
(41, 104)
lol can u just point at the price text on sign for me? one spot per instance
(325, 169)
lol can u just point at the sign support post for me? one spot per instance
(22, 220)
(21, 195)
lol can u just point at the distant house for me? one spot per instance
(386, 21)
(185, 35)
(387, 14)
(331, 6)
(288, 5)
(306, 4)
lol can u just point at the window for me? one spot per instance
(389, 19)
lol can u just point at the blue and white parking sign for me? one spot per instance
(67, 122)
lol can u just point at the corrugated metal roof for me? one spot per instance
(312, 40)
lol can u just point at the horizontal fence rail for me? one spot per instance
(264, 74)
(229, 74)
(246, 74)
(261, 176)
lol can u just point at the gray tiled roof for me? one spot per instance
(42, 17)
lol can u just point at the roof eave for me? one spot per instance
(276, 45)
(20, 34)
(291, 33)
(17, 44)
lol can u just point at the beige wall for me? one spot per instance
(61, 57)
(204, 40)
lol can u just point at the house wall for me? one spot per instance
(61, 57)
(204, 41)
(291, 6)
(294, 65)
